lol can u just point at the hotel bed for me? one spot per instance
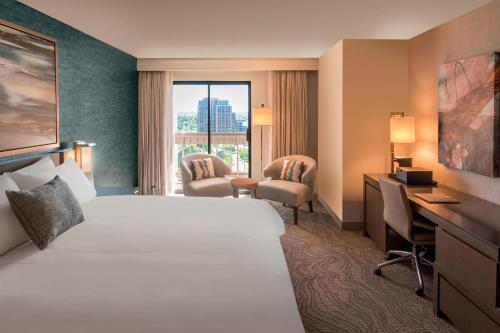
(154, 264)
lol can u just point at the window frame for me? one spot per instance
(226, 83)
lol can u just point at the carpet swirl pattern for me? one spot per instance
(335, 288)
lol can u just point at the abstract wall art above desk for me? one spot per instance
(469, 105)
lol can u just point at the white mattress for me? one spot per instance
(154, 264)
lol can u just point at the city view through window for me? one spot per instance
(222, 107)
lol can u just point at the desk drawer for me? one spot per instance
(471, 269)
(461, 312)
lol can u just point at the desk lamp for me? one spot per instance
(402, 131)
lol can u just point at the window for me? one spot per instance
(212, 117)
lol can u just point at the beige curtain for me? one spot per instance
(155, 132)
(289, 105)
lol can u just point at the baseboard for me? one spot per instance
(353, 226)
(330, 212)
(338, 221)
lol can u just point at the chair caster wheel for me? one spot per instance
(377, 271)
(419, 291)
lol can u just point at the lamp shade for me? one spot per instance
(84, 157)
(402, 129)
(262, 116)
(87, 157)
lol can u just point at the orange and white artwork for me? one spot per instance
(469, 96)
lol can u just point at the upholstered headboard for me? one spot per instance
(14, 163)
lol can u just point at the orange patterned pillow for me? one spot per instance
(292, 171)
(202, 168)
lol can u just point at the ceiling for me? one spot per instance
(250, 28)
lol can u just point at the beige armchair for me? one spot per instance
(208, 187)
(289, 193)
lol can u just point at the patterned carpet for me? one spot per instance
(336, 290)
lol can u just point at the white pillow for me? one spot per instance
(34, 169)
(12, 233)
(69, 171)
(79, 184)
(31, 181)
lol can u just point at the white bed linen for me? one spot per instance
(154, 264)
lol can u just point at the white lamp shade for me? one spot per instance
(262, 116)
(402, 129)
(87, 159)
(84, 157)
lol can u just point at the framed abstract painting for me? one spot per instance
(469, 107)
(29, 104)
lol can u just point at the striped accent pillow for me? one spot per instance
(292, 171)
(202, 168)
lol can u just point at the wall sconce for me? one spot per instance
(402, 131)
(84, 157)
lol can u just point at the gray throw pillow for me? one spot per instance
(46, 211)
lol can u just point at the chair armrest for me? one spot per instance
(309, 178)
(187, 175)
(273, 170)
(227, 170)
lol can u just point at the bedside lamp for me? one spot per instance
(84, 157)
(262, 117)
(402, 131)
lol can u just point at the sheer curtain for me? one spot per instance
(289, 105)
(155, 133)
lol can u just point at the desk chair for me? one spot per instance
(415, 229)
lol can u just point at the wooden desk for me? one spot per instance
(467, 266)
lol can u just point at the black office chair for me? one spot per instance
(415, 229)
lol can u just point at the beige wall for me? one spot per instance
(330, 146)
(375, 84)
(260, 95)
(227, 64)
(361, 83)
(471, 34)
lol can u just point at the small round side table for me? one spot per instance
(244, 183)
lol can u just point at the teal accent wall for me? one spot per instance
(97, 94)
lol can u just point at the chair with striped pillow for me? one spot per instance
(203, 175)
(292, 182)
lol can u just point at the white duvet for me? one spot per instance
(154, 264)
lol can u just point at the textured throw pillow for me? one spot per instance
(12, 233)
(292, 171)
(202, 168)
(46, 211)
(69, 171)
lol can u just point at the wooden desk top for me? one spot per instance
(473, 218)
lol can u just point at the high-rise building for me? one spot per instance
(241, 126)
(222, 117)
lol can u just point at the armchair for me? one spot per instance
(217, 186)
(287, 192)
